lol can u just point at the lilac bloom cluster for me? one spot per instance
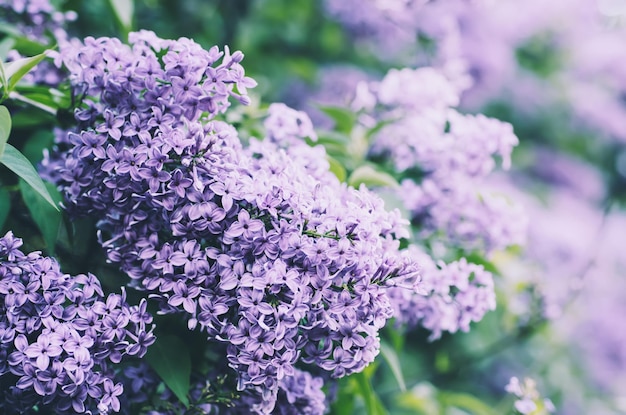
(408, 32)
(261, 247)
(300, 393)
(377, 18)
(37, 20)
(538, 57)
(60, 337)
(445, 157)
(452, 296)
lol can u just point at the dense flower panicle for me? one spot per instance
(387, 27)
(421, 90)
(471, 218)
(566, 54)
(452, 296)
(261, 247)
(60, 336)
(444, 156)
(301, 394)
(37, 20)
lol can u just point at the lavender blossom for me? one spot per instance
(260, 247)
(444, 157)
(61, 336)
(452, 296)
(39, 21)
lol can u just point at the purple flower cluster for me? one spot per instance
(301, 394)
(444, 156)
(60, 336)
(261, 247)
(35, 18)
(453, 295)
(390, 24)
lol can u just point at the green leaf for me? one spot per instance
(16, 162)
(3, 82)
(465, 401)
(332, 137)
(370, 177)
(344, 403)
(344, 118)
(123, 10)
(31, 116)
(15, 70)
(35, 145)
(391, 357)
(10, 30)
(47, 218)
(5, 46)
(478, 259)
(5, 206)
(337, 168)
(169, 357)
(5, 127)
(379, 126)
(416, 404)
(373, 404)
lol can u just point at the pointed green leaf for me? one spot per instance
(31, 116)
(337, 168)
(10, 30)
(416, 404)
(123, 10)
(34, 147)
(344, 118)
(47, 218)
(16, 162)
(15, 70)
(169, 357)
(344, 403)
(5, 206)
(5, 127)
(5, 46)
(3, 82)
(370, 177)
(479, 259)
(391, 357)
(465, 401)
(373, 404)
(23, 45)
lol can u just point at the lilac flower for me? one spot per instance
(260, 247)
(38, 21)
(60, 335)
(452, 296)
(443, 157)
